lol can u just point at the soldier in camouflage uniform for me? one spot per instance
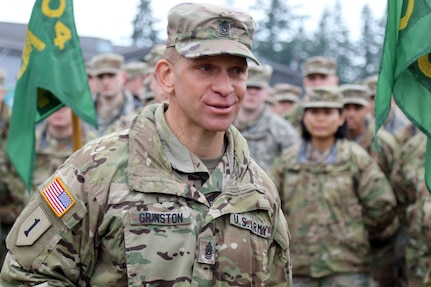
(361, 127)
(135, 83)
(112, 100)
(318, 71)
(396, 122)
(361, 130)
(91, 79)
(12, 200)
(334, 196)
(54, 144)
(267, 133)
(173, 200)
(153, 95)
(286, 97)
(407, 179)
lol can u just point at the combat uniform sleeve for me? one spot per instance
(376, 196)
(53, 239)
(280, 272)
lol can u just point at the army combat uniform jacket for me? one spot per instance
(268, 137)
(387, 143)
(50, 152)
(129, 218)
(332, 207)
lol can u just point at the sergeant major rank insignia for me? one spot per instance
(224, 29)
(58, 197)
(206, 250)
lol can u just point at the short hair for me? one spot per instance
(171, 54)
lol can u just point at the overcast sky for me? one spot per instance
(112, 19)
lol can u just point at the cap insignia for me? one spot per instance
(224, 29)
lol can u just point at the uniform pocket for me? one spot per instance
(159, 235)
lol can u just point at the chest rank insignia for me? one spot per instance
(206, 250)
(224, 29)
(58, 197)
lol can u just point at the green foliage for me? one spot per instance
(144, 33)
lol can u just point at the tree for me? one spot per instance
(277, 31)
(342, 49)
(332, 39)
(370, 44)
(144, 33)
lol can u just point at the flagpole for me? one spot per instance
(76, 136)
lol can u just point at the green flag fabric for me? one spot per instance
(405, 68)
(52, 75)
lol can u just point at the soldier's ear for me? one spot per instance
(164, 72)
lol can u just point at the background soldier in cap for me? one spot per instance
(361, 130)
(153, 95)
(112, 101)
(286, 96)
(333, 195)
(397, 124)
(12, 199)
(175, 199)
(320, 71)
(317, 71)
(135, 83)
(155, 92)
(414, 204)
(92, 80)
(267, 133)
(287, 99)
(54, 144)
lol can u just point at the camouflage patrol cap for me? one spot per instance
(135, 69)
(259, 76)
(2, 78)
(355, 94)
(323, 97)
(371, 83)
(89, 68)
(155, 54)
(287, 92)
(107, 63)
(199, 30)
(320, 65)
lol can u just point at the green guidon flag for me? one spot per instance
(52, 75)
(405, 69)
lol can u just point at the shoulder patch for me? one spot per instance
(58, 197)
(33, 227)
(255, 226)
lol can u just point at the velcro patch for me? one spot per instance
(33, 227)
(248, 223)
(58, 197)
(206, 250)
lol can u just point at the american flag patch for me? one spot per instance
(58, 197)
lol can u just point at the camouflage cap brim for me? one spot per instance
(286, 98)
(356, 101)
(322, 104)
(322, 71)
(257, 84)
(105, 71)
(214, 47)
